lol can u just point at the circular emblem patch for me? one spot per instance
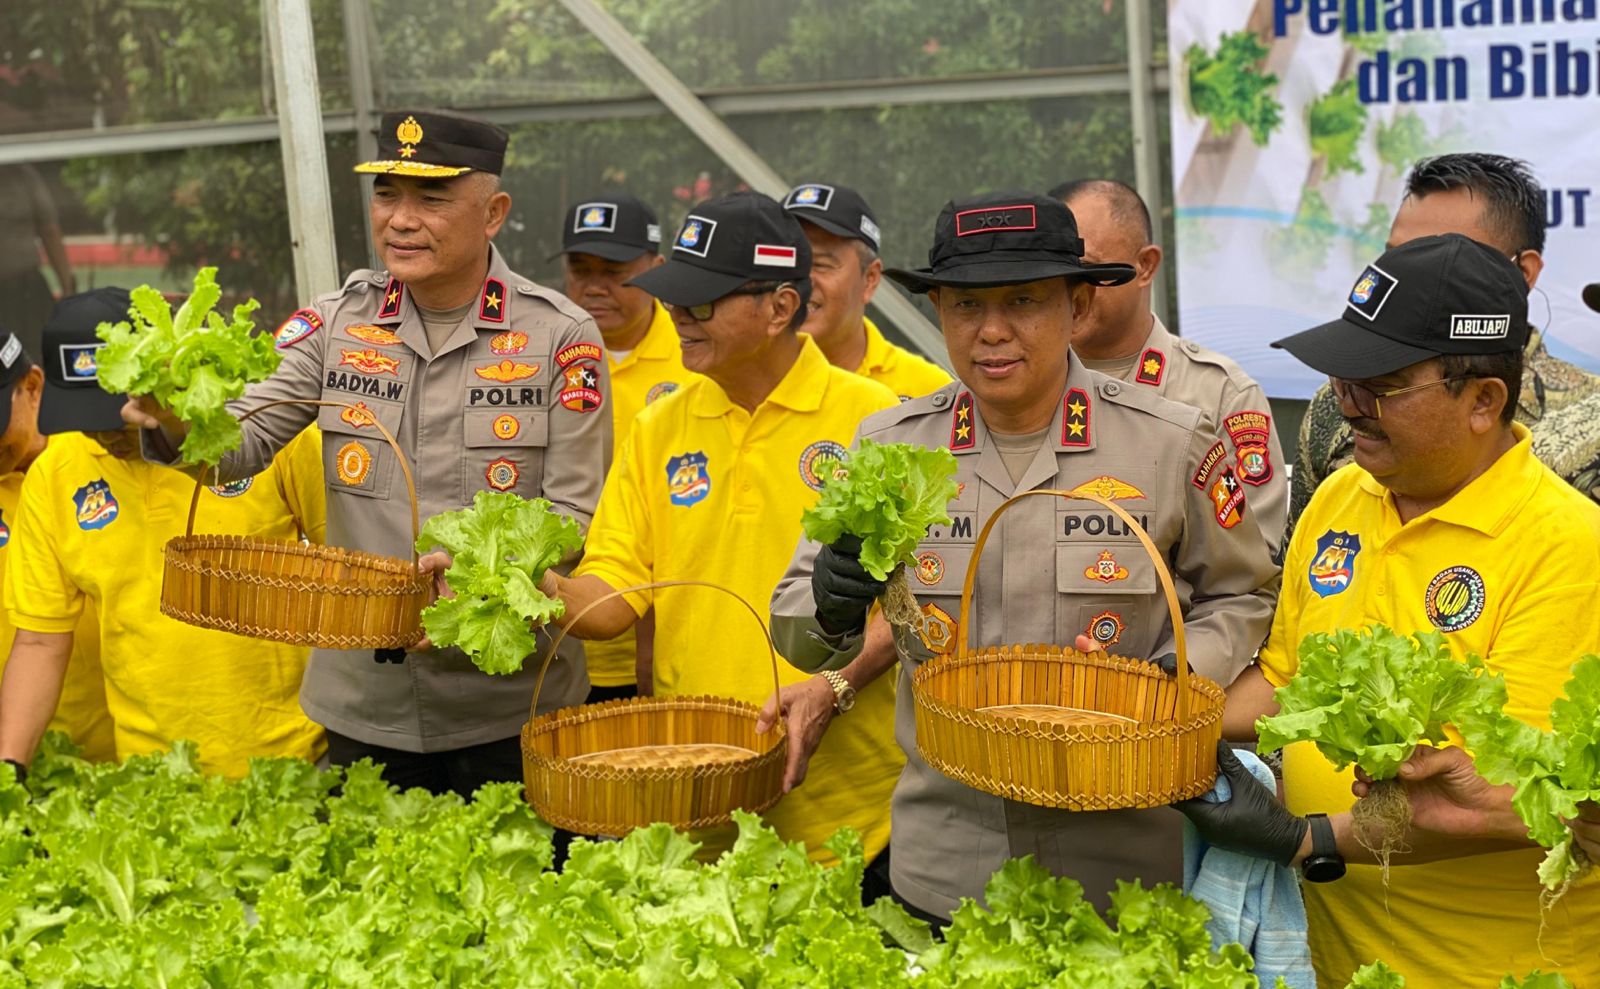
(819, 461)
(1455, 598)
(506, 427)
(232, 489)
(353, 462)
(661, 390)
(930, 568)
(1106, 628)
(502, 475)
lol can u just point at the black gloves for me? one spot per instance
(1167, 662)
(1252, 822)
(842, 588)
(22, 771)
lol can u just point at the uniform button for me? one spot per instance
(1110, 388)
(940, 401)
(1191, 346)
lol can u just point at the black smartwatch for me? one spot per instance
(22, 771)
(1324, 864)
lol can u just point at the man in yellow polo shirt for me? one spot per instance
(608, 240)
(89, 532)
(1445, 522)
(845, 273)
(81, 713)
(711, 485)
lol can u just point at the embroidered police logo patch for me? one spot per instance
(80, 362)
(1334, 566)
(819, 461)
(96, 506)
(232, 489)
(595, 218)
(688, 483)
(1455, 598)
(695, 237)
(809, 197)
(1106, 628)
(1371, 291)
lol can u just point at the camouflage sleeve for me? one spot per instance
(1568, 442)
(1325, 446)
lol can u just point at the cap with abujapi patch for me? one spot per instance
(14, 363)
(727, 242)
(1006, 238)
(835, 208)
(436, 144)
(616, 227)
(73, 399)
(1424, 299)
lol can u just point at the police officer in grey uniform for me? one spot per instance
(1123, 338)
(489, 382)
(1007, 277)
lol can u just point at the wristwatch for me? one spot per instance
(1324, 864)
(844, 695)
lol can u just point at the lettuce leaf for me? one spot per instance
(1554, 771)
(192, 363)
(1377, 975)
(1371, 697)
(887, 495)
(500, 549)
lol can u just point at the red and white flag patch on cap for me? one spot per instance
(774, 256)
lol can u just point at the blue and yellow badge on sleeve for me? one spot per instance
(1334, 566)
(688, 483)
(96, 505)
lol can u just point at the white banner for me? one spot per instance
(1294, 123)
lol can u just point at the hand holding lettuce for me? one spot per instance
(887, 496)
(192, 363)
(500, 549)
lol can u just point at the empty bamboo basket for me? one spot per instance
(605, 769)
(1055, 727)
(288, 591)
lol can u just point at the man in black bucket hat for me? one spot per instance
(1007, 276)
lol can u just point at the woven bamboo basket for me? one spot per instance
(1055, 727)
(284, 591)
(605, 769)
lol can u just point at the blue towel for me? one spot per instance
(1252, 901)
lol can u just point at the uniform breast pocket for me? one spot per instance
(1105, 591)
(936, 582)
(356, 459)
(505, 450)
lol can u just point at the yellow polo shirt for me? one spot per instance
(90, 531)
(81, 712)
(650, 371)
(906, 374)
(1506, 569)
(703, 490)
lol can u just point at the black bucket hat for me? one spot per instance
(1006, 238)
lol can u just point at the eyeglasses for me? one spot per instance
(704, 312)
(1367, 402)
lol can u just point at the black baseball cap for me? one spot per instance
(1006, 238)
(837, 209)
(727, 242)
(14, 363)
(615, 227)
(73, 400)
(436, 144)
(1424, 299)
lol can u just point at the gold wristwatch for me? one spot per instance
(844, 695)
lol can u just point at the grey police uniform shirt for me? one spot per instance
(515, 400)
(1054, 569)
(1184, 371)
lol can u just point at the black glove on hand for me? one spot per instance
(1252, 822)
(1167, 663)
(22, 771)
(842, 588)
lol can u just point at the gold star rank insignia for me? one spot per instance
(391, 300)
(961, 436)
(1075, 418)
(492, 307)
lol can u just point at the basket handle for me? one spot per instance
(405, 468)
(962, 628)
(772, 650)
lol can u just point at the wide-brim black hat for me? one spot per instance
(1006, 238)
